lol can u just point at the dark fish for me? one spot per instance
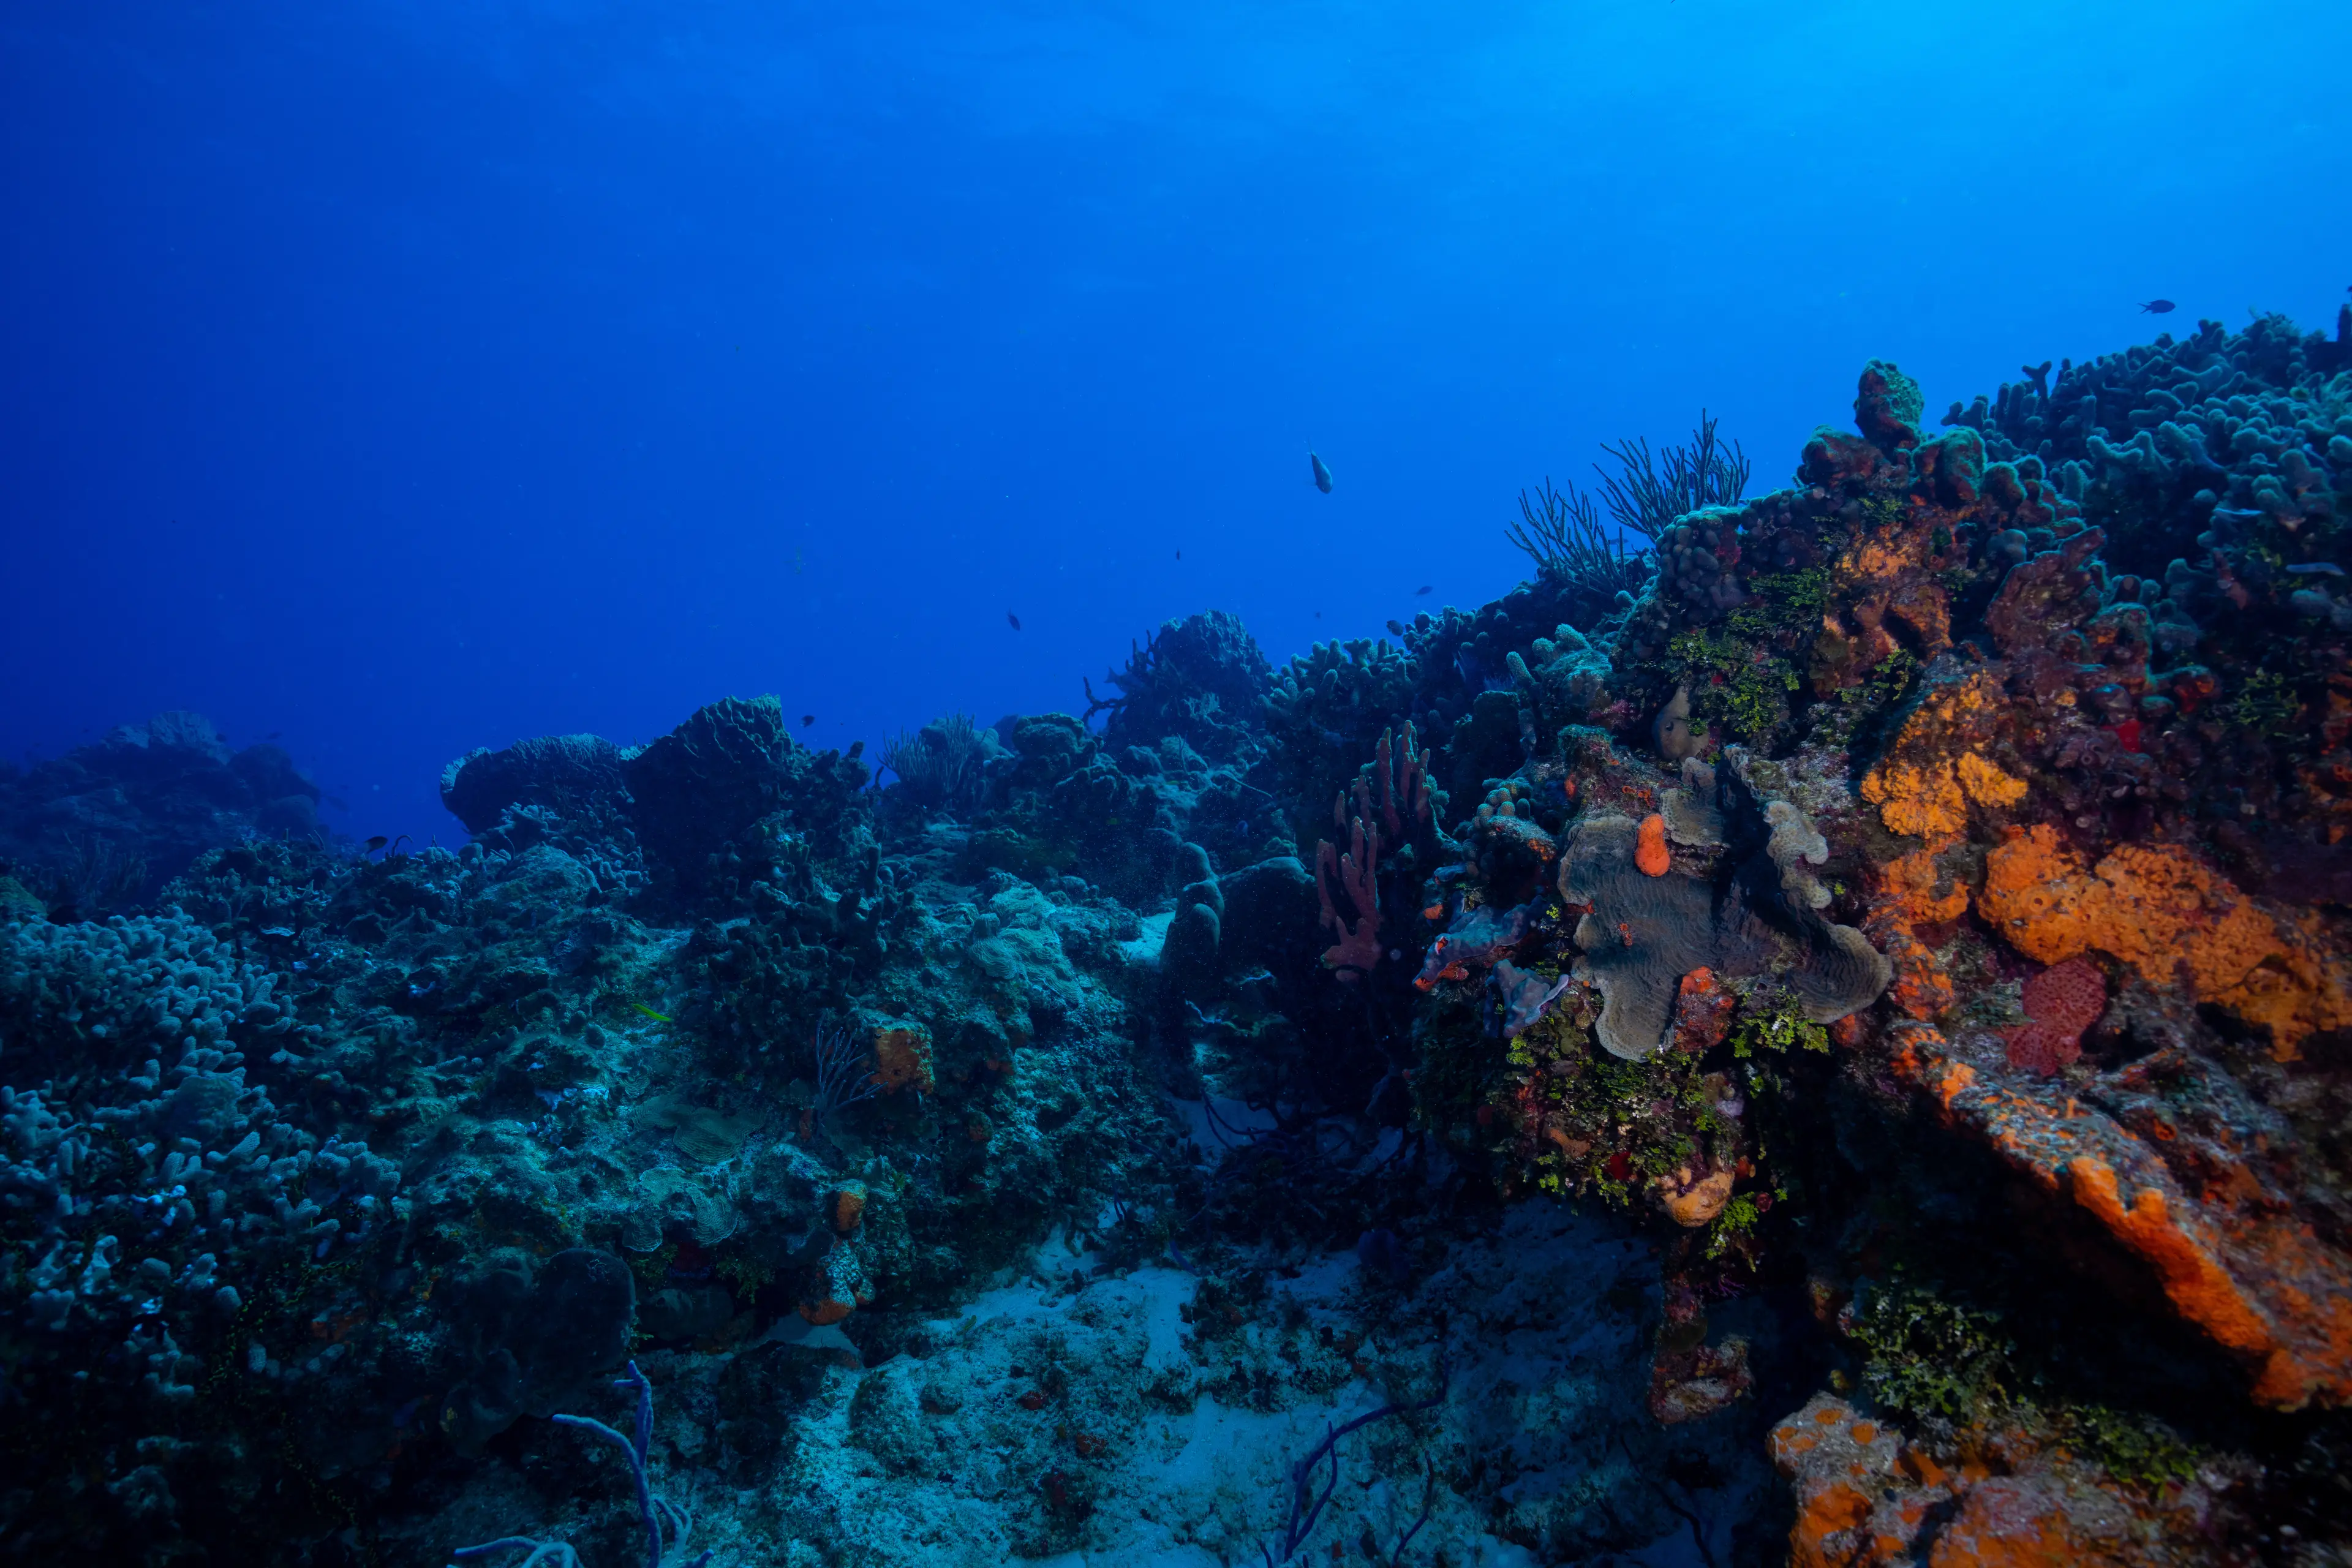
(2158, 308)
(1322, 474)
(1423, 592)
(2317, 569)
(807, 719)
(1397, 626)
(1180, 555)
(376, 843)
(1012, 619)
(1318, 614)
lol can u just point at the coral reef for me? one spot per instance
(107, 824)
(1829, 1040)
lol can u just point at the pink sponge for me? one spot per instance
(2061, 1002)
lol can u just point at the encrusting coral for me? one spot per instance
(2164, 911)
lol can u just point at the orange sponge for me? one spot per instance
(1650, 849)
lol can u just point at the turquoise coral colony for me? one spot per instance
(1825, 1036)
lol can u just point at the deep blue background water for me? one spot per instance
(408, 377)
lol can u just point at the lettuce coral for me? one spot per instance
(1643, 932)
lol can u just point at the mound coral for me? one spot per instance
(569, 775)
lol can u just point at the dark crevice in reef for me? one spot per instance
(1820, 1040)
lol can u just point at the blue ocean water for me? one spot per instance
(400, 378)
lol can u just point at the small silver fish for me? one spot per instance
(2317, 569)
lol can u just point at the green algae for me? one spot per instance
(1780, 1024)
(1926, 1355)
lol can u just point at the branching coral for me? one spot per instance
(939, 767)
(655, 1513)
(845, 1071)
(1562, 535)
(1647, 493)
(1562, 678)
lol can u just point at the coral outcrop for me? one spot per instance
(107, 824)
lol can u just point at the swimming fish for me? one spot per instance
(1423, 590)
(1014, 619)
(376, 843)
(807, 719)
(2317, 569)
(2157, 308)
(1397, 627)
(1322, 474)
(648, 1012)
